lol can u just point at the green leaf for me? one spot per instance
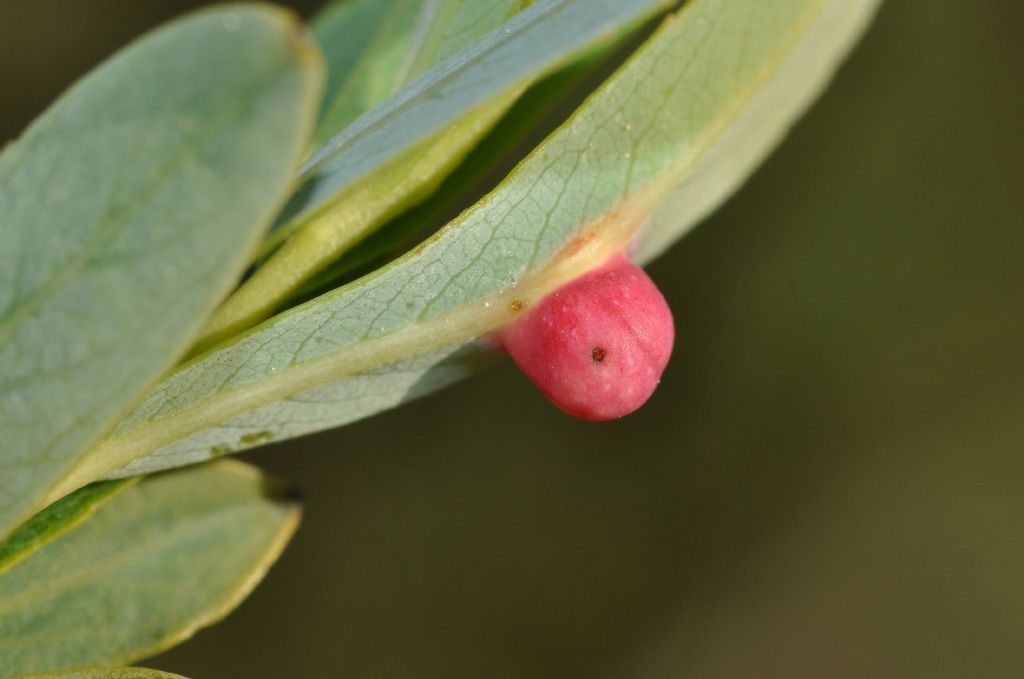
(171, 554)
(334, 404)
(398, 153)
(446, 27)
(105, 673)
(116, 237)
(55, 520)
(373, 48)
(363, 42)
(585, 192)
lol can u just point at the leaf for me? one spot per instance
(397, 154)
(363, 42)
(105, 673)
(115, 236)
(172, 554)
(373, 48)
(585, 192)
(55, 520)
(450, 26)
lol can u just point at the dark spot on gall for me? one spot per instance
(516, 306)
(598, 355)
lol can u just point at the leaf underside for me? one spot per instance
(153, 564)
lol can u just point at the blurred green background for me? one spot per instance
(829, 483)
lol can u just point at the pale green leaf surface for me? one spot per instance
(55, 520)
(332, 405)
(584, 193)
(419, 136)
(374, 48)
(115, 236)
(535, 41)
(105, 673)
(167, 556)
(365, 43)
(447, 27)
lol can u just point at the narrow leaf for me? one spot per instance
(374, 48)
(364, 42)
(446, 27)
(116, 239)
(167, 556)
(586, 192)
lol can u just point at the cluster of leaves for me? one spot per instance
(392, 189)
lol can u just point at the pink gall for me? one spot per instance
(597, 346)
